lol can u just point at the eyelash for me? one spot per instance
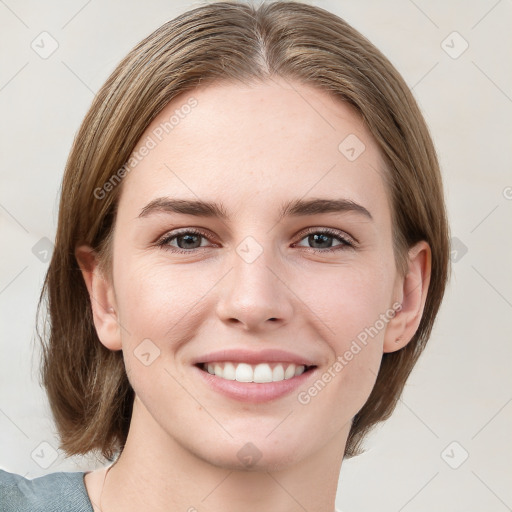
(346, 242)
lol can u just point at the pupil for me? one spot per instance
(321, 238)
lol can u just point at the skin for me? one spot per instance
(252, 148)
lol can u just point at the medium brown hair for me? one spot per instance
(87, 386)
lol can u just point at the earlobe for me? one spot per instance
(413, 289)
(101, 295)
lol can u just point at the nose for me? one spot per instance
(254, 295)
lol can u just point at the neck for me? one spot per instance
(155, 472)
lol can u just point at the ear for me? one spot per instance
(101, 294)
(411, 293)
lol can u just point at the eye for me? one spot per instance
(183, 241)
(321, 240)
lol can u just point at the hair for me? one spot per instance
(88, 390)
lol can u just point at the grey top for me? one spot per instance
(56, 492)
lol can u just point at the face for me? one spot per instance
(284, 259)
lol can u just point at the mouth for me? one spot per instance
(254, 383)
(255, 377)
(260, 373)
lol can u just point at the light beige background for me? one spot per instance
(460, 391)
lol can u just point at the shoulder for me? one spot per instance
(50, 493)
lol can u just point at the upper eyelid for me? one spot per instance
(329, 231)
(171, 235)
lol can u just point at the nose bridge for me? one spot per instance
(254, 293)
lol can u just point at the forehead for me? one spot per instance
(251, 144)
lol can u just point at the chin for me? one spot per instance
(263, 462)
(254, 452)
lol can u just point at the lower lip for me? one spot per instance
(253, 392)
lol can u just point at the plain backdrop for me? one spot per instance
(448, 445)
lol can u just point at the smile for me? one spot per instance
(259, 373)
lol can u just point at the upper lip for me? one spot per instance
(254, 357)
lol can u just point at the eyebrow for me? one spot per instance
(294, 208)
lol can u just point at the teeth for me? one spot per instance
(260, 373)
(299, 370)
(278, 373)
(244, 373)
(229, 372)
(263, 373)
(290, 372)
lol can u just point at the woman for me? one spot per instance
(251, 252)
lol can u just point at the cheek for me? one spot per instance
(349, 300)
(355, 309)
(352, 311)
(160, 301)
